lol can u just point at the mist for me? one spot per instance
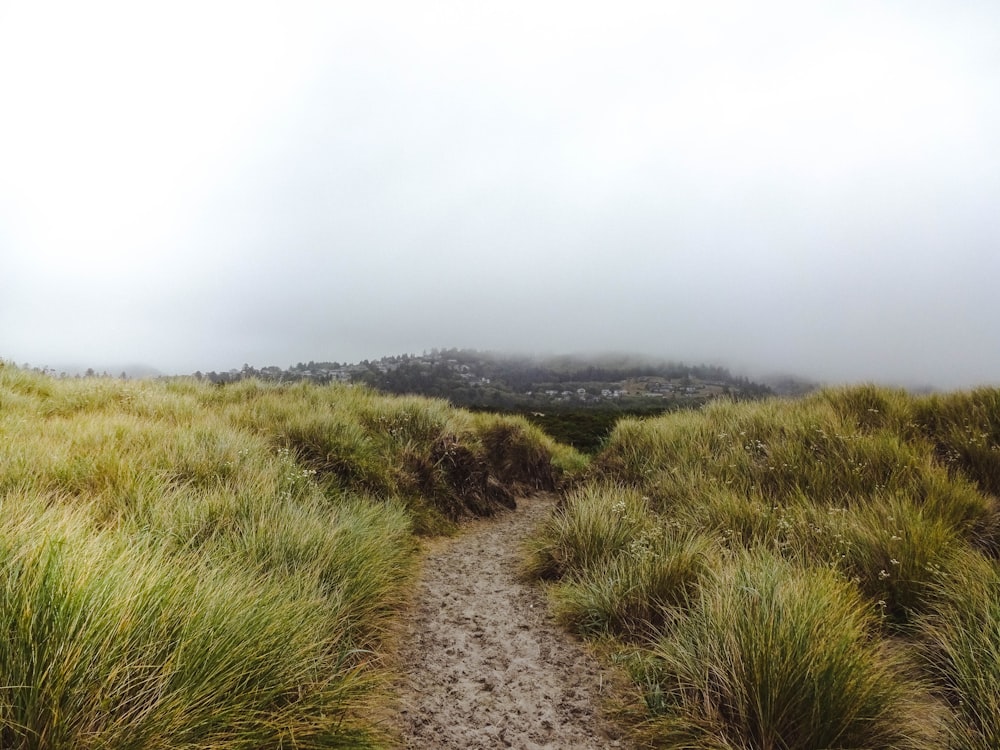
(773, 188)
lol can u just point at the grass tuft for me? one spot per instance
(961, 643)
(771, 655)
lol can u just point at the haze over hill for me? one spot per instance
(769, 187)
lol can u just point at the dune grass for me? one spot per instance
(960, 638)
(189, 566)
(778, 573)
(113, 641)
(622, 568)
(183, 565)
(770, 655)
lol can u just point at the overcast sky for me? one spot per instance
(773, 186)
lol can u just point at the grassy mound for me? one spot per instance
(789, 574)
(183, 565)
(770, 655)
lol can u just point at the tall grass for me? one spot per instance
(772, 656)
(591, 526)
(961, 640)
(622, 569)
(189, 566)
(799, 545)
(445, 463)
(113, 642)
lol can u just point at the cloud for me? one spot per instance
(772, 186)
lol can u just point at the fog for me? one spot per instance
(774, 186)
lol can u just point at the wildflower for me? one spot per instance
(883, 574)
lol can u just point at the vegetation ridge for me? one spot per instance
(184, 566)
(795, 574)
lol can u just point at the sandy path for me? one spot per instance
(485, 665)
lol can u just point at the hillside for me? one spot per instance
(575, 399)
(471, 378)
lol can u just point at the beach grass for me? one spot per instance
(191, 566)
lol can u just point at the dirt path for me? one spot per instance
(485, 665)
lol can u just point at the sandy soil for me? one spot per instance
(484, 664)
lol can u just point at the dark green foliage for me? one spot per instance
(586, 429)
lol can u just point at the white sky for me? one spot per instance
(776, 186)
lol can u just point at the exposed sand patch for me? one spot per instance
(483, 663)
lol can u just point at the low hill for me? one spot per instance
(471, 378)
(575, 399)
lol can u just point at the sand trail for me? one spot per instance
(483, 664)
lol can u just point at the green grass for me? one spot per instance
(770, 655)
(960, 638)
(113, 642)
(621, 567)
(854, 510)
(187, 566)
